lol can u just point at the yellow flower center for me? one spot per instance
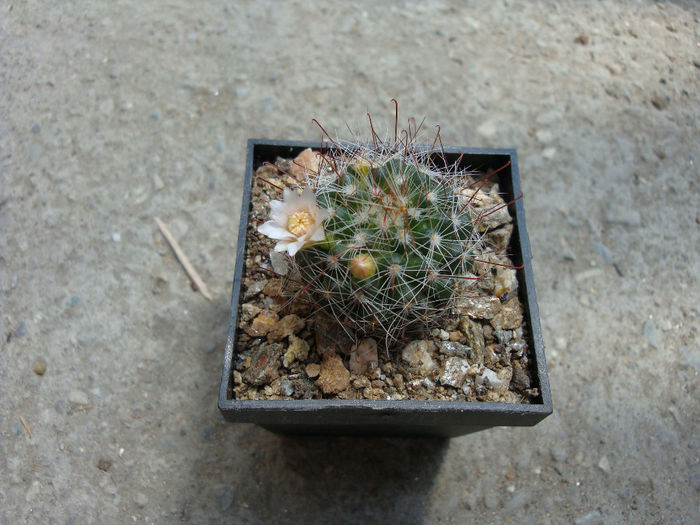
(300, 222)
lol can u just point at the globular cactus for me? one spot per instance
(398, 239)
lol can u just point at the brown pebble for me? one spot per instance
(363, 356)
(104, 464)
(456, 336)
(330, 337)
(333, 376)
(478, 307)
(273, 288)
(288, 325)
(360, 382)
(307, 161)
(313, 369)
(39, 367)
(264, 362)
(510, 317)
(262, 324)
(659, 101)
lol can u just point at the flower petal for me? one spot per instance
(274, 231)
(282, 246)
(294, 247)
(308, 198)
(279, 212)
(319, 234)
(321, 215)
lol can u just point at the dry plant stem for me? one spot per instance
(184, 261)
(26, 426)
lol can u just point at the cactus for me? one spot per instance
(398, 235)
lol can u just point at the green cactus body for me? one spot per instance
(399, 242)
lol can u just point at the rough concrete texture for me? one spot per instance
(112, 114)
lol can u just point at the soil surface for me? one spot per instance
(286, 349)
(110, 363)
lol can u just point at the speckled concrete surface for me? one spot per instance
(114, 113)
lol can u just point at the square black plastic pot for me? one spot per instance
(393, 417)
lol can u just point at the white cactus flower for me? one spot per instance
(296, 222)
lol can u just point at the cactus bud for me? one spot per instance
(362, 266)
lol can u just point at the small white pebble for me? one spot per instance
(116, 236)
(141, 499)
(549, 153)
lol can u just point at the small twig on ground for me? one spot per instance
(26, 426)
(184, 261)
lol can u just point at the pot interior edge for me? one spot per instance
(386, 406)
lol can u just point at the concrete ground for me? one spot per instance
(114, 113)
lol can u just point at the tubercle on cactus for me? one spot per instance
(401, 236)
